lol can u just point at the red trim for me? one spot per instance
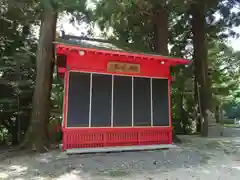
(98, 64)
(170, 107)
(93, 60)
(111, 137)
(63, 48)
(65, 100)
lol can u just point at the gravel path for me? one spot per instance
(195, 159)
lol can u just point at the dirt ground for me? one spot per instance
(196, 158)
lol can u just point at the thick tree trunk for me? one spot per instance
(37, 136)
(54, 25)
(200, 61)
(161, 31)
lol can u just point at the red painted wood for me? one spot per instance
(148, 69)
(70, 49)
(111, 137)
(93, 60)
(96, 61)
(170, 107)
(61, 70)
(65, 99)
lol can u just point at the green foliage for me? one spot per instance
(17, 67)
(129, 20)
(132, 25)
(225, 65)
(18, 45)
(232, 109)
(17, 73)
(133, 21)
(133, 29)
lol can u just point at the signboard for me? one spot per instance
(115, 67)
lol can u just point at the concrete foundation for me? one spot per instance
(118, 149)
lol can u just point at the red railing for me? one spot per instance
(112, 137)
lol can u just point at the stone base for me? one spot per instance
(119, 149)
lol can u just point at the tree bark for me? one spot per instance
(37, 136)
(200, 61)
(197, 107)
(161, 31)
(14, 133)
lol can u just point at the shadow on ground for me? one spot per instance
(196, 157)
(55, 164)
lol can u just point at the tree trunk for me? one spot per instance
(200, 61)
(54, 26)
(161, 31)
(197, 104)
(14, 133)
(37, 136)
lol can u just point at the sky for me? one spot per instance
(235, 43)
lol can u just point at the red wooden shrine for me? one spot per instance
(114, 98)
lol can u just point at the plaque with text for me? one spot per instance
(123, 67)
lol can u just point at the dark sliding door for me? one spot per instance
(101, 100)
(78, 100)
(116, 100)
(160, 102)
(142, 101)
(122, 101)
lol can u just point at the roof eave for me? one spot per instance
(170, 60)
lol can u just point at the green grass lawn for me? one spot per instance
(232, 125)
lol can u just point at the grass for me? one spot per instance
(228, 121)
(232, 125)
